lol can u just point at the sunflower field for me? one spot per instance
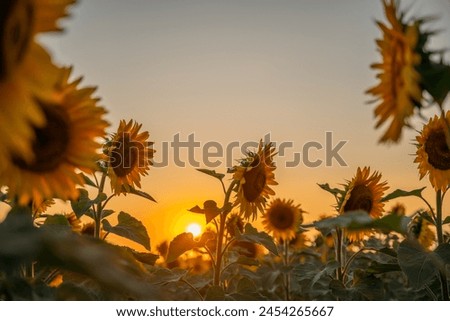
(56, 144)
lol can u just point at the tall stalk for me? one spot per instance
(220, 235)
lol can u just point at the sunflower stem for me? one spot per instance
(98, 215)
(339, 257)
(444, 285)
(439, 230)
(220, 234)
(219, 254)
(286, 272)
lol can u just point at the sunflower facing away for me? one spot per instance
(254, 174)
(364, 192)
(26, 71)
(433, 154)
(67, 143)
(282, 218)
(129, 157)
(399, 90)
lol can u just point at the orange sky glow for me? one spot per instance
(234, 71)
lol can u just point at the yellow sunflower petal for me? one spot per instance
(129, 157)
(364, 192)
(62, 147)
(254, 175)
(433, 154)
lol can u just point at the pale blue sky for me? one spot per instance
(234, 71)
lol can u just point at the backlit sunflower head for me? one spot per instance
(26, 71)
(433, 154)
(254, 174)
(66, 144)
(234, 223)
(421, 230)
(20, 22)
(129, 156)
(363, 192)
(282, 219)
(399, 90)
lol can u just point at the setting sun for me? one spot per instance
(194, 228)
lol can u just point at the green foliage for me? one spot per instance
(252, 235)
(420, 265)
(180, 244)
(130, 228)
(361, 220)
(401, 193)
(142, 194)
(212, 173)
(82, 205)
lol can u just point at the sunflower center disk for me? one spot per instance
(437, 150)
(255, 181)
(281, 218)
(51, 143)
(124, 156)
(16, 18)
(361, 198)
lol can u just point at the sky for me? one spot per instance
(235, 71)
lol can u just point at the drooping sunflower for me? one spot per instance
(282, 219)
(399, 90)
(66, 144)
(363, 192)
(254, 174)
(26, 71)
(433, 154)
(234, 223)
(129, 157)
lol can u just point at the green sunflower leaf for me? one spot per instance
(57, 219)
(130, 228)
(180, 244)
(416, 263)
(82, 204)
(436, 80)
(252, 235)
(88, 181)
(212, 173)
(401, 193)
(335, 191)
(145, 195)
(215, 293)
(447, 220)
(359, 220)
(162, 276)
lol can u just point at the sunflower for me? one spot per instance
(420, 230)
(282, 219)
(26, 71)
(67, 143)
(254, 174)
(363, 192)
(399, 89)
(234, 223)
(433, 154)
(129, 157)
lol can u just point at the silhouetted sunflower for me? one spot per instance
(282, 219)
(433, 154)
(129, 157)
(67, 143)
(27, 74)
(254, 174)
(399, 89)
(364, 192)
